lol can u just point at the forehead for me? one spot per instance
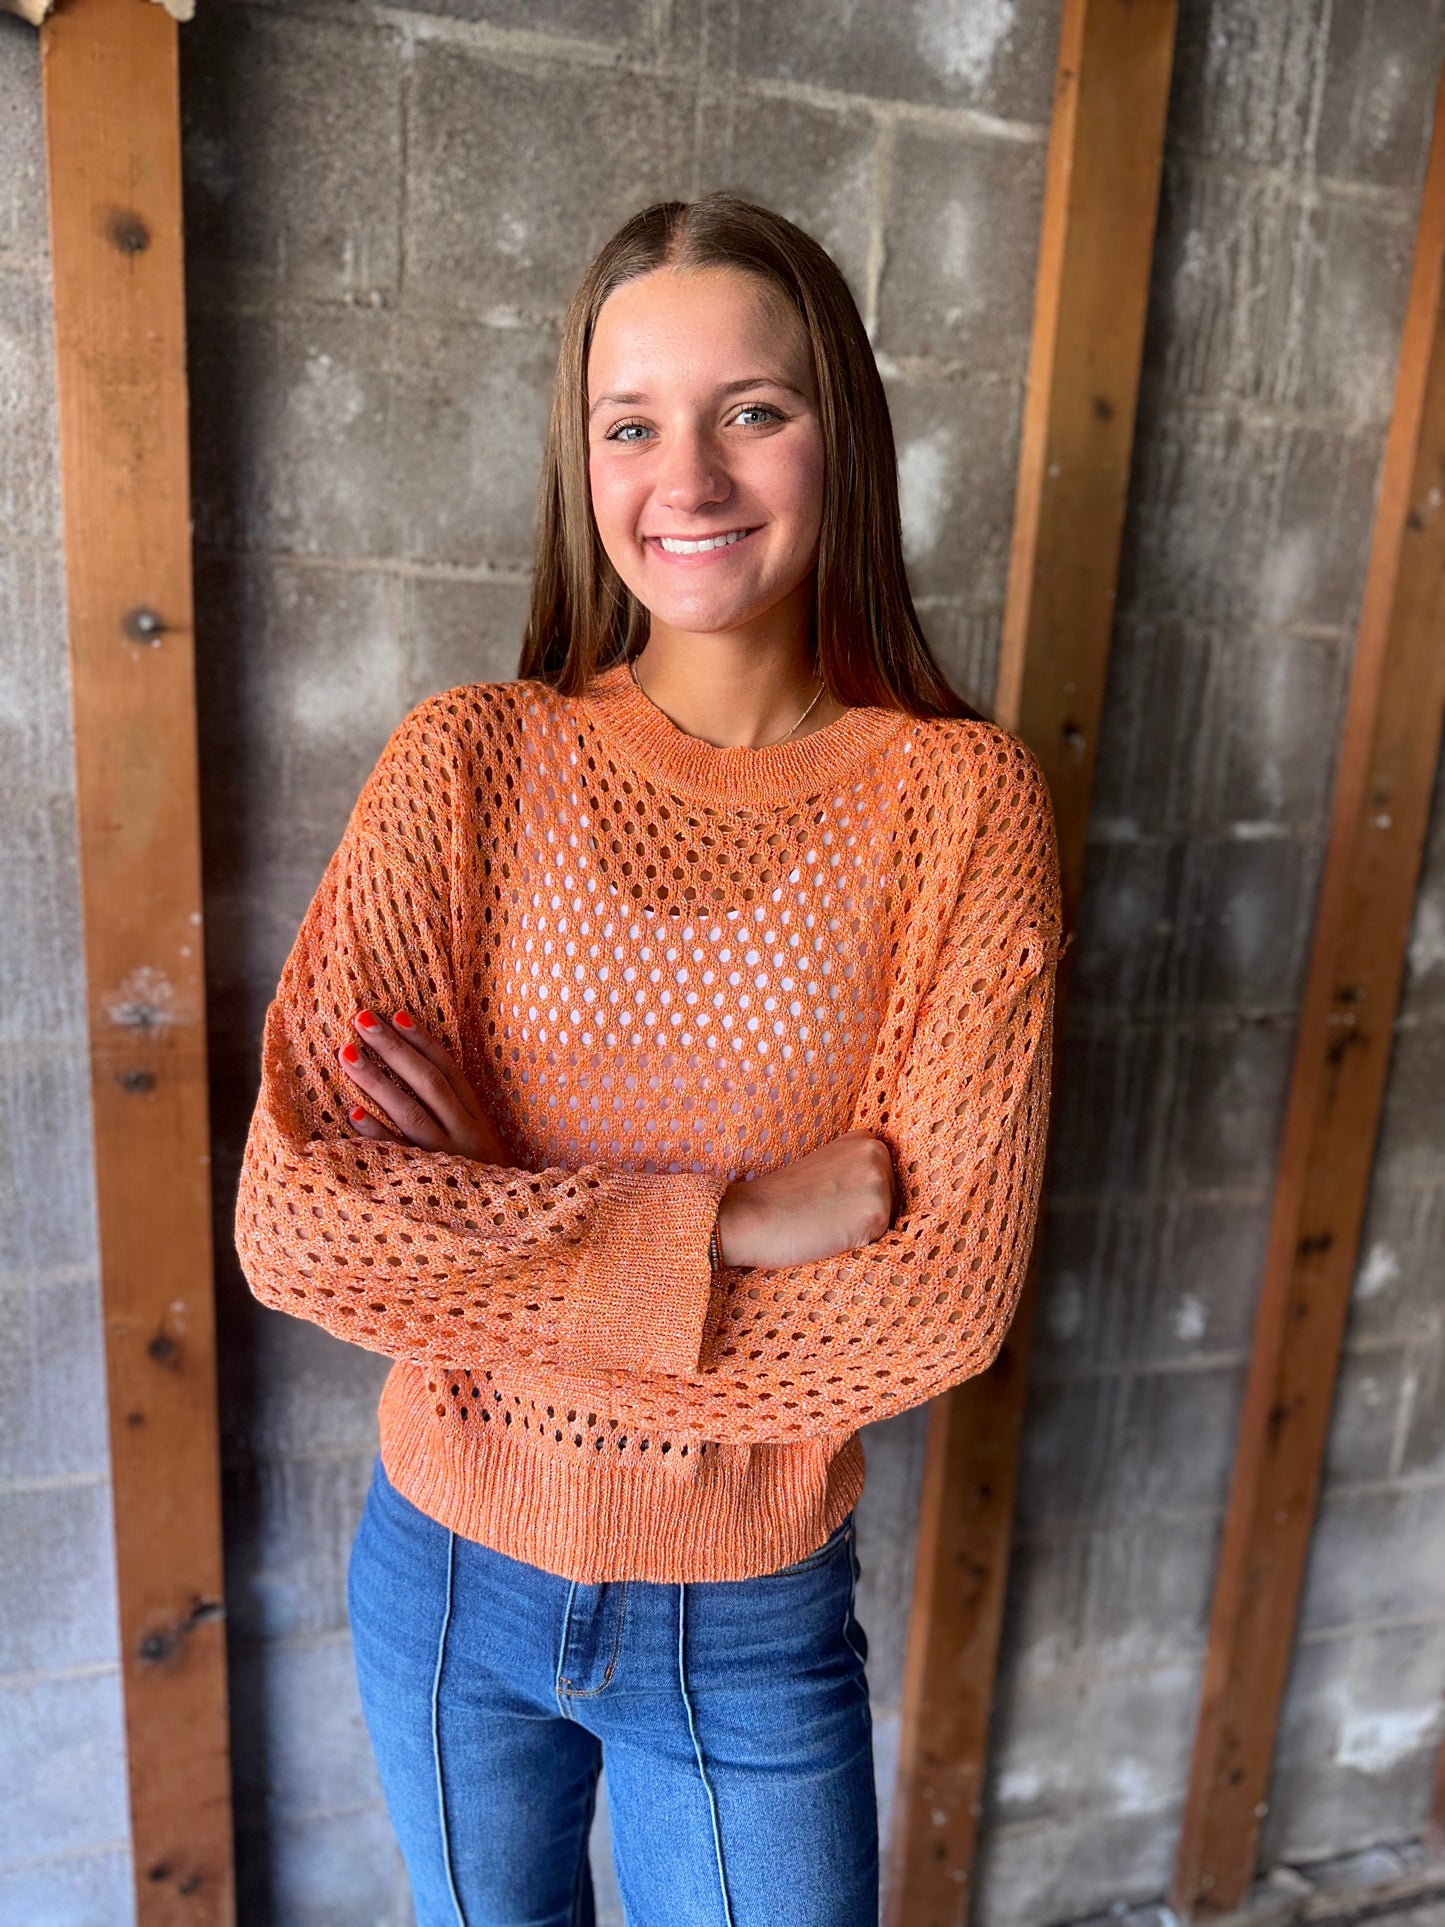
(669, 325)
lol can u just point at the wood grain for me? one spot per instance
(1091, 294)
(1385, 774)
(110, 87)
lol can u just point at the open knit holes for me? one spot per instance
(644, 983)
(682, 987)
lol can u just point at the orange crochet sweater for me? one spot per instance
(663, 966)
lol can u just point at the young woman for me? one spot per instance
(660, 1078)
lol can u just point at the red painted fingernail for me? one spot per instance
(402, 1021)
(366, 1020)
(351, 1053)
(358, 1116)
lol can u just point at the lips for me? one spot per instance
(654, 543)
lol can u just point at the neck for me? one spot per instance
(732, 695)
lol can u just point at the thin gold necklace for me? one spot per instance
(782, 739)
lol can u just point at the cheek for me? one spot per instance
(611, 500)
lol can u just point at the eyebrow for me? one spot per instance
(727, 388)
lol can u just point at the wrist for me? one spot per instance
(731, 1227)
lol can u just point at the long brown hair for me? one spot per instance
(866, 639)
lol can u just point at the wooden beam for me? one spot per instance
(1385, 773)
(109, 80)
(1091, 295)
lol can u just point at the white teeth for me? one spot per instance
(696, 548)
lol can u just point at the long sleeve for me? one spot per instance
(819, 1349)
(420, 1254)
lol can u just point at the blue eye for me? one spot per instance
(619, 434)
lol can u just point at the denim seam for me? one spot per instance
(557, 1682)
(697, 1749)
(436, 1732)
(591, 1692)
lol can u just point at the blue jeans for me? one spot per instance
(734, 1714)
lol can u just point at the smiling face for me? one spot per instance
(703, 425)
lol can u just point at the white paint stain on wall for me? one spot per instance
(923, 468)
(964, 37)
(1372, 1742)
(1381, 1267)
(1190, 1318)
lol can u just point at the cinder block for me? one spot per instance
(1240, 935)
(1378, 93)
(608, 23)
(518, 171)
(1036, 1874)
(292, 156)
(361, 436)
(1157, 730)
(887, 1525)
(1115, 1087)
(1226, 1104)
(1245, 79)
(30, 473)
(957, 446)
(52, 1361)
(1066, 1463)
(1149, 1282)
(89, 1890)
(962, 241)
(1396, 1292)
(812, 164)
(1422, 993)
(1424, 1453)
(964, 641)
(42, 956)
(1223, 321)
(1128, 920)
(62, 1764)
(47, 1197)
(59, 1606)
(1368, 1394)
(460, 632)
(1408, 1148)
(35, 727)
(1374, 1555)
(1147, 1588)
(23, 226)
(1201, 1282)
(996, 59)
(1033, 1770)
(1177, 1441)
(1277, 703)
(293, 1522)
(290, 1524)
(1354, 282)
(323, 1870)
(301, 1746)
(1044, 1632)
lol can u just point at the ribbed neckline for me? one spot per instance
(772, 773)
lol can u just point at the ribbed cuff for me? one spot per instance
(641, 1302)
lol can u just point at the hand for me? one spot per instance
(432, 1105)
(835, 1198)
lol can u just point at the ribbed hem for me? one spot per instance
(745, 1512)
(642, 1301)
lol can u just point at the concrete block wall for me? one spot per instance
(387, 208)
(1296, 139)
(64, 1820)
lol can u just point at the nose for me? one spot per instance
(692, 474)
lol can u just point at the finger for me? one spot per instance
(405, 1026)
(365, 1125)
(401, 1105)
(427, 1078)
